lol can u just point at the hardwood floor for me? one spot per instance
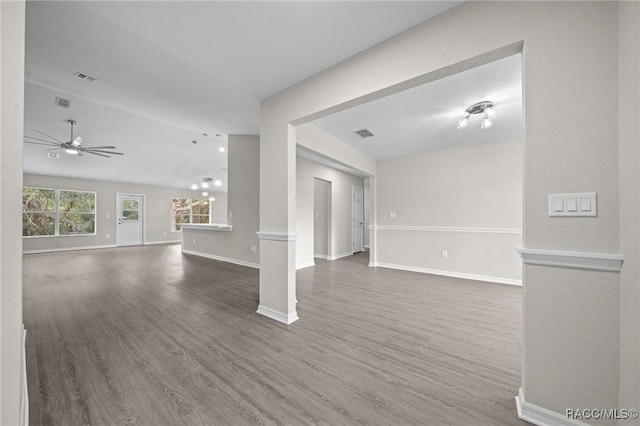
(148, 336)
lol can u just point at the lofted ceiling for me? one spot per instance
(168, 73)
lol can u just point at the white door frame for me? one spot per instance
(142, 215)
(353, 217)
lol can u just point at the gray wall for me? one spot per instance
(243, 206)
(572, 317)
(157, 214)
(340, 220)
(465, 200)
(321, 219)
(13, 409)
(629, 153)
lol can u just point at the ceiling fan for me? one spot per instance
(73, 146)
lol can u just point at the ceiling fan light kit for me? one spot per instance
(73, 146)
(485, 107)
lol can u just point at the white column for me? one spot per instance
(277, 218)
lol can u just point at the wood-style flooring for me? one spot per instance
(149, 336)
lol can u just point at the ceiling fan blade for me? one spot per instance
(55, 149)
(104, 152)
(50, 137)
(100, 147)
(42, 143)
(96, 153)
(41, 140)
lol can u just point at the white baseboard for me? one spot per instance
(146, 243)
(277, 315)
(54, 250)
(541, 416)
(305, 265)
(24, 395)
(320, 256)
(223, 259)
(339, 256)
(487, 278)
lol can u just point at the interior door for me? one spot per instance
(358, 218)
(129, 217)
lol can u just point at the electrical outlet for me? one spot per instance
(164, 233)
(445, 254)
(194, 241)
(392, 215)
(108, 236)
(252, 249)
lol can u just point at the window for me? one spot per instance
(130, 210)
(38, 212)
(187, 210)
(58, 212)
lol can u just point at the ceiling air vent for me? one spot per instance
(365, 133)
(84, 76)
(63, 103)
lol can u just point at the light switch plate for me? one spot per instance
(574, 204)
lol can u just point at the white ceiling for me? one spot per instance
(424, 118)
(169, 71)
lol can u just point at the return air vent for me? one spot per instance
(365, 133)
(63, 103)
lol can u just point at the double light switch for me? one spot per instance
(577, 204)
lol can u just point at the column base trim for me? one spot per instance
(541, 416)
(277, 315)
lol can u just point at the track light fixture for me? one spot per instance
(485, 107)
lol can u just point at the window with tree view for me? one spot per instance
(57, 212)
(187, 210)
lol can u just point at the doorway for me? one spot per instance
(129, 219)
(357, 212)
(321, 218)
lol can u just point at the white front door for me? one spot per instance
(129, 219)
(358, 218)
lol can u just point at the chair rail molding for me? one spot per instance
(276, 236)
(448, 229)
(572, 259)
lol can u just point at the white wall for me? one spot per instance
(341, 205)
(13, 396)
(571, 351)
(243, 206)
(465, 200)
(157, 212)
